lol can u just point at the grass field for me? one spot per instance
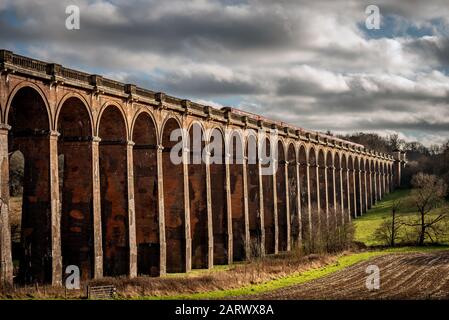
(366, 225)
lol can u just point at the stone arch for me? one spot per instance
(392, 180)
(314, 191)
(112, 130)
(268, 196)
(83, 102)
(42, 96)
(198, 196)
(368, 183)
(236, 150)
(74, 123)
(377, 171)
(363, 185)
(357, 192)
(145, 138)
(338, 189)
(214, 130)
(373, 181)
(281, 193)
(119, 107)
(172, 119)
(174, 207)
(352, 194)
(345, 193)
(237, 195)
(304, 189)
(150, 116)
(217, 167)
(388, 178)
(295, 219)
(254, 209)
(330, 189)
(322, 186)
(198, 125)
(29, 116)
(379, 179)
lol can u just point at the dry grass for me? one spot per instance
(254, 272)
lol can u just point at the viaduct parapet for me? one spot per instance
(101, 192)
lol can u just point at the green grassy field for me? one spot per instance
(366, 225)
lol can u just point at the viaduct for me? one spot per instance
(100, 191)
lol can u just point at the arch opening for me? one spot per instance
(76, 187)
(268, 199)
(146, 195)
(114, 192)
(304, 190)
(352, 195)
(218, 198)
(237, 198)
(338, 191)
(174, 210)
(281, 198)
(358, 184)
(381, 189)
(198, 198)
(372, 184)
(332, 214)
(363, 185)
(314, 192)
(322, 188)
(387, 178)
(376, 179)
(369, 189)
(295, 222)
(345, 193)
(30, 212)
(253, 176)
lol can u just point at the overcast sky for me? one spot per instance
(313, 64)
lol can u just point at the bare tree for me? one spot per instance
(428, 194)
(388, 231)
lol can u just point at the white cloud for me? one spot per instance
(306, 63)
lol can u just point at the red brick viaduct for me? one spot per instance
(100, 191)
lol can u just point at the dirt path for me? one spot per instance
(402, 276)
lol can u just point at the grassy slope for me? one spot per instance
(368, 223)
(297, 278)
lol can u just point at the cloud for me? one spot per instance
(311, 64)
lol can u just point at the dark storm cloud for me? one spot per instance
(421, 125)
(307, 63)
(431, 48)
(209, 86)
(172, 32)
